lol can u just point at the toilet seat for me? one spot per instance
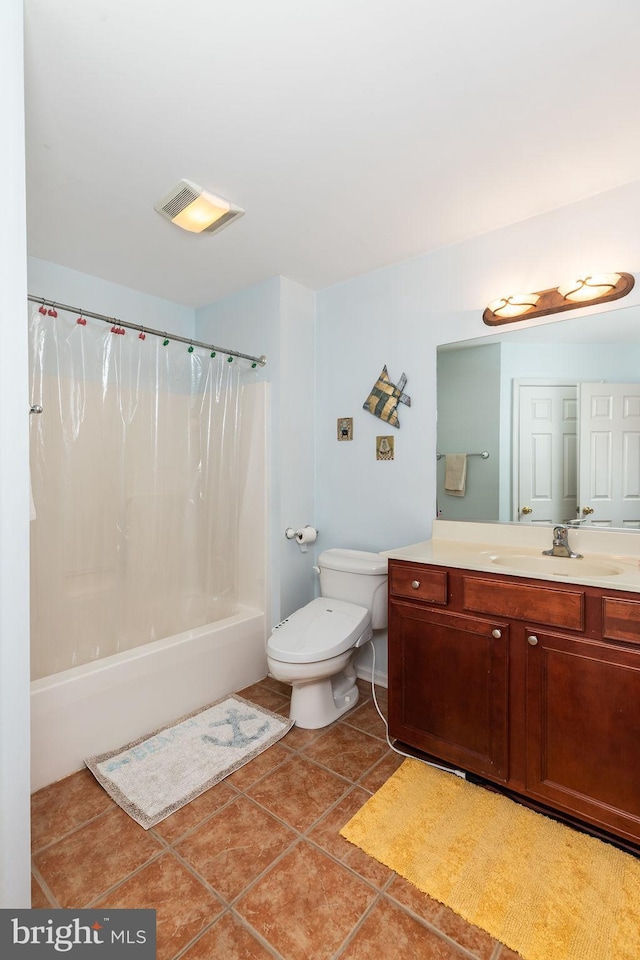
(320, 630)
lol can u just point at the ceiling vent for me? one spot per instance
(195, 209)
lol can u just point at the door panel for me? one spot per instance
(609, 451)
(547, 468)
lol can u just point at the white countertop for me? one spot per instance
(611, 558)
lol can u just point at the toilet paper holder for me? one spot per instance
(303, 536)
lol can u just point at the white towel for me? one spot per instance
(455, 474)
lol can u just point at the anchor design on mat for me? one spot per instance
(234, 719)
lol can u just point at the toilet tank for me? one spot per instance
(358, 577)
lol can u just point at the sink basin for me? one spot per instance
(556, 566)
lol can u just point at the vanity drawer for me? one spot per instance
(519, 601)
(416, 582)
(621, 619)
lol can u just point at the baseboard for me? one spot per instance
(364, 673)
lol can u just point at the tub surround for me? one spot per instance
(611, 558)
(113, 701)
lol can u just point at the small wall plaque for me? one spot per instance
(345, 428)
(384, 448)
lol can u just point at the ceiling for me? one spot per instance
(354, 133)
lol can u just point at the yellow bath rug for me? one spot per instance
(546, 891)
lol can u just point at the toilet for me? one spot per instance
(314, 648)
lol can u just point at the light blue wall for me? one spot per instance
(619, 362)
(361, 326)
(100, 296)
(469, 422)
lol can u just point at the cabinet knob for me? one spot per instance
(496, 634)
(415, 584)
(532, 640)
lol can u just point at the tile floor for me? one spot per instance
(255, 868)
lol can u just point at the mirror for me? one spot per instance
(558, 448)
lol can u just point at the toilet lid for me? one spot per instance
(322, 629)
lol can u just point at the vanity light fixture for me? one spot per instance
(588, 289)
(195, 209)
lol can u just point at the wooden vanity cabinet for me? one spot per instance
(583, 729)
(531, 685)
(449, 687)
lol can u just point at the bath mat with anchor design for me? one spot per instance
(157, 774)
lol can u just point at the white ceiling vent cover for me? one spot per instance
(195, 209)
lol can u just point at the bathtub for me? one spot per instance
(107, 703)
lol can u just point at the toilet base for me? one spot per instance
(318, 703)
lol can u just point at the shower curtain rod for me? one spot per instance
(256, 361)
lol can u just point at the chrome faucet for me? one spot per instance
(561, 546)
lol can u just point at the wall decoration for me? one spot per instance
(384, 398)
(345, 428)
(384, 448)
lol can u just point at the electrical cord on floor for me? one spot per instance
(429, 763)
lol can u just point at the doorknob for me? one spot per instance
(587, 511)
(527, 510)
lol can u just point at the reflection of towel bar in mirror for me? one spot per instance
(484, 455)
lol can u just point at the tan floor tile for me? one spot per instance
(298, 792)
(284, 689)
(364, 688)
(379, 774)
(306, 905)
(62, 806)
(310, 897)
(507, 954)
(184, 907)
(298, 737)
(39, 899)
(83, 865)
(247, 775)
(390, 932)
(327, 835)
(367, 718)
(479, 943)
(227, 939)
(346, 751)
(232, 848)
(195, 812)
(263, 696)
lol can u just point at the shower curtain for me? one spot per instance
(134, 472)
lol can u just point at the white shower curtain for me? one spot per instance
(134, 470)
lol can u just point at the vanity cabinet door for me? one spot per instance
(583, 728)
(448, 684)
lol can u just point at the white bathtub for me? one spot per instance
(109, 702)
